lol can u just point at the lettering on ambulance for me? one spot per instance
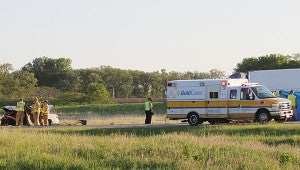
(213, 111)
(194, 93)
(191, 92)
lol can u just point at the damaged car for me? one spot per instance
(10, 114)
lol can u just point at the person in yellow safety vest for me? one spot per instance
(292, 98)
(20, 112)
(36, 106)
(44, 113)
(148, 110)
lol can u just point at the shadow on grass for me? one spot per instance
(230, 130)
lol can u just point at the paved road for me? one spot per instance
(102, 126)
(130, 125)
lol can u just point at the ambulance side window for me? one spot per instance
(233, 94)
(246, 94)
(213, 95)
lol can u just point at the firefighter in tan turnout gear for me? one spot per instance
(43, 118)
(20, 112)
(36, 106)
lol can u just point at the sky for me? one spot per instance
(148, 35)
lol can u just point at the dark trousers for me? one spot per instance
(148, 116)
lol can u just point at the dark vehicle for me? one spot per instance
(9, 117)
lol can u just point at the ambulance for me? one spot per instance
(224, 100)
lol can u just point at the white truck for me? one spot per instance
(223, 100)
(275, 80)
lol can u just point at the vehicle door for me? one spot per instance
(246, 104)
(233, 107)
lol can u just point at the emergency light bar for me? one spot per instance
(223, 83)
(170, 84)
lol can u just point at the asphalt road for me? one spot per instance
(118, 126)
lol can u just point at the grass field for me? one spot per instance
(251, 146)
(108, 109)
(130, 113)
(126, 119)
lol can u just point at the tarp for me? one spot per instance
(284, 94)
(238, 75)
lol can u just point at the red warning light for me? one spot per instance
(223, 83)
(170, 84)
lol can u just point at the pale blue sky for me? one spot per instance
(148, 35)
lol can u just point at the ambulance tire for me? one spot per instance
(263, 116)
(194, 119)
(212, 122)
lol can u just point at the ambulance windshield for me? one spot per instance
(262, 92)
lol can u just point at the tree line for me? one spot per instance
(55, 79)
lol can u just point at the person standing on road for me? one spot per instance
(44, 113)
(292, 98)
(148, 110)
(36, 110)
(41, 115)
(20, 112)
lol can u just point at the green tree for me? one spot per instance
(54, 73)
(268, 62)
(98, 93)
(157, 86)
(216, 74)
(118, 80)
(5, 69)
(138, 89)
(87, 77)
(19, 85)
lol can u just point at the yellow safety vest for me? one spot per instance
(20, 106)
(292, 98)
(148, 106)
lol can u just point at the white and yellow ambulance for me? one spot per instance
(223, 100)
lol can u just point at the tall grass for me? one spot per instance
(271, 146)
(91, 111)
(159, 107)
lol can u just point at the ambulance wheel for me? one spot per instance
(194, 119)
(263, 116)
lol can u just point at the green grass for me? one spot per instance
(91, 111)
(254, 146)
(97, 109)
